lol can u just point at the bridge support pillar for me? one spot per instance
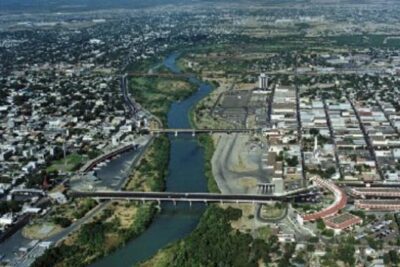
(176, 133)
(190, 203)
(205, 202)
(222, 202)
(158, 202)
(174, 201)
(262, 188)
(143, 201)
(193, 133)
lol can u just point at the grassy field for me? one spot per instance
(40, 231)
(71, 163)
(272, 212)
(157, 94)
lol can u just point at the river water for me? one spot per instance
(185, 174)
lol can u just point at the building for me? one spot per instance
(263, 81)
(375, 192)
(380, 205)
(7, 219)
(342, 221)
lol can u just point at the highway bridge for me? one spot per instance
(175, 197)
(193, 132)
(160, 75)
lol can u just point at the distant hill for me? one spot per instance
(71, 5)
(82, 5)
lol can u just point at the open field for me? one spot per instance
(40, 231)
(272, 211)
(72, 162)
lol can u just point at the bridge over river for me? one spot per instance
(192, 197)
(194, 131)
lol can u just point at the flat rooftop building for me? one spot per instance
(342, 221)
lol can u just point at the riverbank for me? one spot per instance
(207, 142)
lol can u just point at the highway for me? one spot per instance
(188, 197)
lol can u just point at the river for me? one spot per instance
(185, 174)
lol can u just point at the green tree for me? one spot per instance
(320, 224)
(345, 253)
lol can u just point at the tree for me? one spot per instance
(293, 161)
(92, 234)
(328, 232)
(320, 224)
(329, 172)
(62, 221)
(314, 131)
(345, 253)
(9, 206)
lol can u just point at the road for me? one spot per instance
(134, 107)
(300, 134)
(367, 139)
(333, 137)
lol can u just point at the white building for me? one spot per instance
(263, 81)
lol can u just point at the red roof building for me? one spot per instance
(342, 221)
(339, 203)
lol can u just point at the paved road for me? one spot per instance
(333, 137)
(271, 220)
(300, 135)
